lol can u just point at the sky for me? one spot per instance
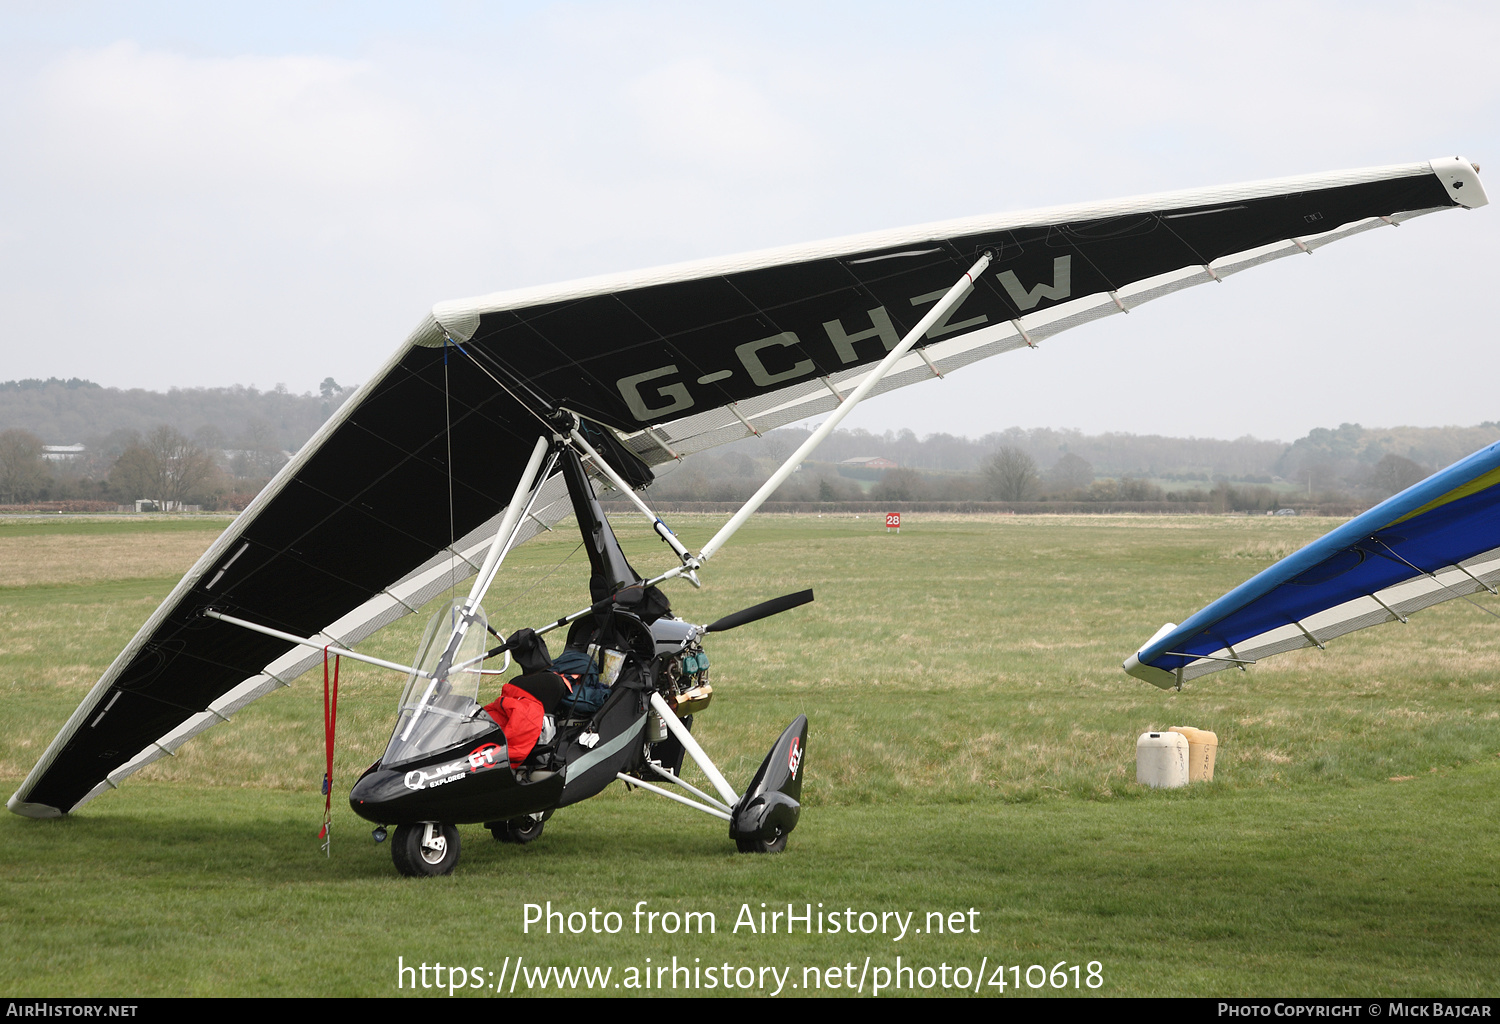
(198, 195)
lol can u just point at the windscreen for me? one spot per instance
(441, 699)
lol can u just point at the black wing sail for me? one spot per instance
(355, 531)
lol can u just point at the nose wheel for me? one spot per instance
(425, 849)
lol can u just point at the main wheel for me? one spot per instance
(762, 845)
(525, 829)
(517, 830)
(425, 849)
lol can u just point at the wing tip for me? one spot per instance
(1157, 677)
(1150, 673)
(29, 810)
(1460, 178)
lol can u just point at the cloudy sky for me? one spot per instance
(200, 195)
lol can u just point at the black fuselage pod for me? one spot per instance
(471, 782)
(772, 802)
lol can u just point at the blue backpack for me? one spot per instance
(581, 674)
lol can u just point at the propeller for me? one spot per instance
(775, 606)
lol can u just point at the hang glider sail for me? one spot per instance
(1435, 541)
(396, 498)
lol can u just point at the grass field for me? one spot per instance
(971, 748)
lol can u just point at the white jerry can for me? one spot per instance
(1203, 749)
(1161, 759)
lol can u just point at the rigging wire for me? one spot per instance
(1434, 578)
(548, 427)
(540, 581)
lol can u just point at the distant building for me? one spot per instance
(63, 452)
(867, 467)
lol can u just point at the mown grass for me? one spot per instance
(972, 744)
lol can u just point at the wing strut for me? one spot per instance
(527, 488)
(500, 546)
(961, 288)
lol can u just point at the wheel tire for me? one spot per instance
(414, 860)
(523, 830)
(762, 845)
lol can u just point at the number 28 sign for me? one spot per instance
(893, 521)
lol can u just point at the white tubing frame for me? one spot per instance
(631, 780)
(679, 780)
(500, 546)
(675, 726)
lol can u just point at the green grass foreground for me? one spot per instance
(972, 746)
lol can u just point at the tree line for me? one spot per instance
(162, 463)
(216, 448)
(1346, 466)
(162, 466)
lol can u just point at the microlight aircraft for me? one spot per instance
(498, 416)
(1435, 541)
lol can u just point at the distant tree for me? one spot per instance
(333, 395)
(259, 455)
(23, 472)
(779, 445)
(1254, 498)
(1132, 489)
(739, 464)
(899, 485)
(1071, 473)
(1010, 475)
(1395, 473)
(1221, 498)
(837, 488)
(954, 487)
(133, 474)
(164, 466)
(210, 437)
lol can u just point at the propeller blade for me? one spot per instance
(775, 606)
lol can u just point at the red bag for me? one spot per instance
(519, 715)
